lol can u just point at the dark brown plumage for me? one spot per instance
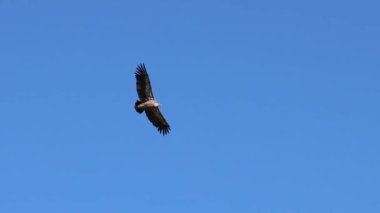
(147, 102)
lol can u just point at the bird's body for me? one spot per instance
(147, 102)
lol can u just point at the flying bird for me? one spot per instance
(147, 102)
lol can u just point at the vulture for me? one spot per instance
(147, 102)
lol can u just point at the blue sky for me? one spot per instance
(274, 106)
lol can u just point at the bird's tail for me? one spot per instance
(136, 108)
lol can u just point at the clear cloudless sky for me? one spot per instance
(274, 106)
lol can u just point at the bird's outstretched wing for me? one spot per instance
(144, 89)
(154, 115)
